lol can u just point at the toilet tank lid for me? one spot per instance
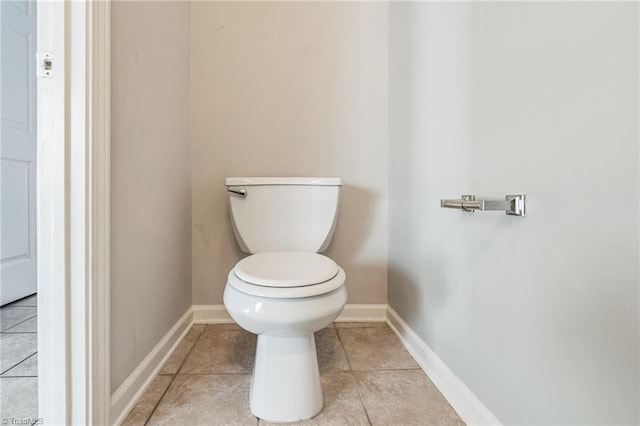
(249, 181)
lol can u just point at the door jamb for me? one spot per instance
(73, 209)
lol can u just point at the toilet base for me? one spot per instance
(285, 385)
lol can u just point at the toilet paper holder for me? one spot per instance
(512, 205)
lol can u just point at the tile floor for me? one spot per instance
(367, 375)
(18, 360)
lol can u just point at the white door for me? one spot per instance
(18, 151)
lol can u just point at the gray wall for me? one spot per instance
(151, 178)
(537, 315)
(293, 89)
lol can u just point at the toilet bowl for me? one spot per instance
(286, 382)
(284, 291)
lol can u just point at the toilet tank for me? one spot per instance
(283, 213)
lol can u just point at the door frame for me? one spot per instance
(73, 209)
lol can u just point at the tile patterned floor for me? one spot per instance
(19, 360)
(367, 376)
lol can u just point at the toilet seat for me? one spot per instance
(286, 269)
(286, 275)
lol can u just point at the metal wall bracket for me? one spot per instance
(517, 204)
(513, 205)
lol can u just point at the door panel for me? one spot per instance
(17, 151)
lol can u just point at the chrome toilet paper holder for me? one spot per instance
(512, 205)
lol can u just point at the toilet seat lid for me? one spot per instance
(286, 269)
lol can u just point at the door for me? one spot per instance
(17, 151)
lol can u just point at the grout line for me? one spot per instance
(22, 299)
(344, 350)
(18, 377)
(366, 412)
(13, 305)
(195, 342)
(173, 376)
(15, 325)
(388, 369)
(158, 402)
(240, 373)
(15, 365)
(364, 325)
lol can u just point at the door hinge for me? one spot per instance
(44, 64)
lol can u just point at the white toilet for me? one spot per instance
(285, 291)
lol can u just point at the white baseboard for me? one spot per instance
(211, 314)
(217, 314)
(130, 391)
(464, 402)
(363, 313)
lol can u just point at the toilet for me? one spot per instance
(285, 290)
